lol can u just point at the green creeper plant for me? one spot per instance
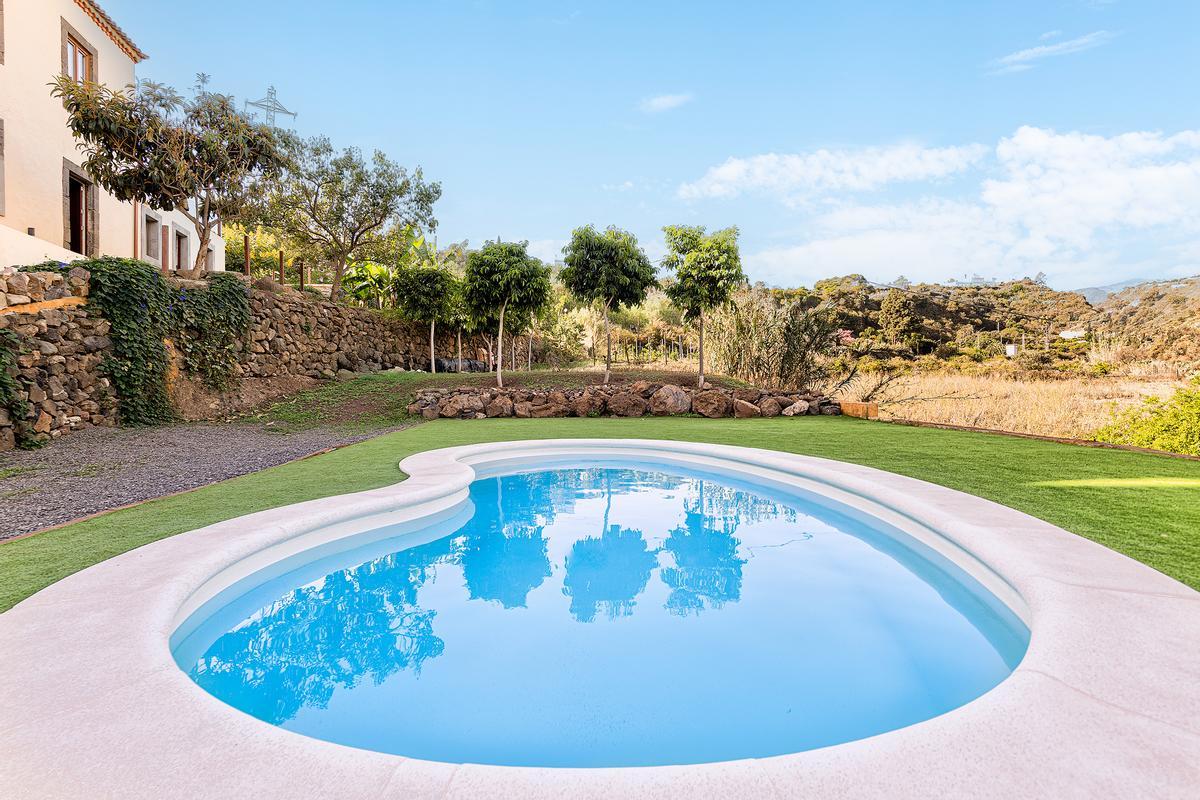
(607, 268)
(707, 269)
(502, 278)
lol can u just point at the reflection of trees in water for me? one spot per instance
(607, 573)
(353, 624)
(707, 569)
(365, 622)
(503, 554)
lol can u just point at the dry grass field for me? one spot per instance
(1072, 408)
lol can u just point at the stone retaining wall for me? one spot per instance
(58, 357)
(634, 400)
(293, 333)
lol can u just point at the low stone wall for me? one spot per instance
(632, 400)
(57, 359)
(292, 333)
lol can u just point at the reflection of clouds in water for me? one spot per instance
(607, 573)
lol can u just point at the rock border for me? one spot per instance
(638, 399)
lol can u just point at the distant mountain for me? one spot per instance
(1097, 294)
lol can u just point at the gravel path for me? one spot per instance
(105, 468)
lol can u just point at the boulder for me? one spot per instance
(770, 407)
(711, 403)
(551, 409)
(670, 399)
(458, 404)
(627, 404)
(796, 409)
(523, 409)
(747, 395)
(589, 404)
(500, 406)
(743, 409)
(644, 389)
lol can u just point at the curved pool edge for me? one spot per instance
(1103, 703)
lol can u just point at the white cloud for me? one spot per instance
(801, 176)
(1024, 59)
(664, 102)
(1048, 35)
(1080, 207)
(623, 186)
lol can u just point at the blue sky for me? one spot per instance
(930, 139)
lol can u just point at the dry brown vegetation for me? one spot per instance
(1072, 407)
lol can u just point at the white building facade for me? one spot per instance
(50, 209)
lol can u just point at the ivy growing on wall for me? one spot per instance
(10, 387)
(138, 305)
(206, 325)
(209, 327)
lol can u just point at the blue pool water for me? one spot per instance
(615, 615)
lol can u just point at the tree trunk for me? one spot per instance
(200, 263)
(339, 268)
(529, 352)
(432, 352)
(500, 349)
(700, 383)
(460, 350)
(607, 347)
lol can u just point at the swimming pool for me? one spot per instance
(607, 612)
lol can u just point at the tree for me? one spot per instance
(707, 270)
(198, 156)
(425, 292)
(607, 268)
(337, 203)
(502, 278)
(897, 315)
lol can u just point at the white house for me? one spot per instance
(49, 207)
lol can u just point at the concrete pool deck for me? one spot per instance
(1105, 703)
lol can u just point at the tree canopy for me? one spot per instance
(337, 202)
(608, 268)
(502, 278)
(198, 156)
(707, 269)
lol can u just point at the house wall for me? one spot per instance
(35, 142)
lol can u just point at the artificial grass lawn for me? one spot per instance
(1142, 505)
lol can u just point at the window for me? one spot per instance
(151, 238)
(79, 60)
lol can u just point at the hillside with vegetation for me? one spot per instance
(1156, 321)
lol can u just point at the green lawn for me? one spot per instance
(1145, 506)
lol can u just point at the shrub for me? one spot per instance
(1172, 425)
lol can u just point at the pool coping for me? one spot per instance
(1105, 702)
